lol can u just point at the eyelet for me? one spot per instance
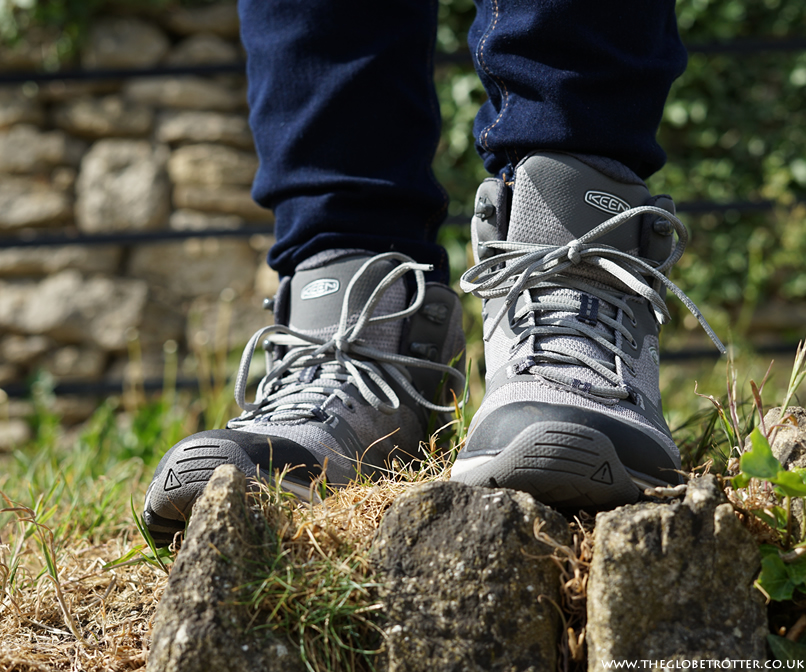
(349, 405)
(633, 344)
(633, 322)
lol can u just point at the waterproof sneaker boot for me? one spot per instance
(572, 274)
(361, 349)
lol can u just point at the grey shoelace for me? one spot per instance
(522, 267)
(316, 371)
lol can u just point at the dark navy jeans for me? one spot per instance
(346, 121)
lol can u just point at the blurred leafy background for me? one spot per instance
(733, 128)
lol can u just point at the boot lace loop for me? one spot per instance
(315, 371)
(518, 268)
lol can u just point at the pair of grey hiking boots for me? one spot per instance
(571, 266)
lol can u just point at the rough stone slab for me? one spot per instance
(220, 19)
(151, 366)
(460, 584)
(13, 433)
(224, 199)
(203, 49)
(201, 126)
(191, 220)
(243, 316)
(22, 350)
(30, 53)
(196, 266)
(73, 362)
(37, 261)
(124, 42)
(187, 92)
(18, 408)
(9, 373)
(26, 149)
(17, 107)
(71, 309)
(14, 296)
(104, 117)
(60, 91)
(789, 445)
(161, 322)
(675, 581)
(212, 165)
(32, 202)
(122, 185)
(70, 409)
(199, 625)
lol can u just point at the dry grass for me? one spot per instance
(62, 607)
(110, 609)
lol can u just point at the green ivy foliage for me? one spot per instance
(734, 129)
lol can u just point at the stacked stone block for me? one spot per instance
(131, 155)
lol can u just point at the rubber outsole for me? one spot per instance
(561, 464)
(184, 472)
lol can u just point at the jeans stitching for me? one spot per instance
(501, 86)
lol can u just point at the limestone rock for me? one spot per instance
(26, 149)
(201, 622)
(18, 408)
(104, 117)
(675, 581)
(123, 186)
(163, 320)
(28, 202)
(60, 91)
(38, 47)
(462, 577)
(14, 296)
(241, 318)
(9, 373)
(187, 92)
(789, 445)
(34, 261)
(17, 107)
(201, 126)
(14, 433)
(213, 165)
(73, 362)
(202, 49)
(64, 178)
(16, 349)
(71, 409)
(196, 266)
(124, 42)
(220, 19)
(191, 220)
(72, 309)
(225, 199)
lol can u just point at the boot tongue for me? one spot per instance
(318, 289)
(558, 198)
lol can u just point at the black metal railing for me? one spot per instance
(741, 47)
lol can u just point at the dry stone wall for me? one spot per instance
(131, 155)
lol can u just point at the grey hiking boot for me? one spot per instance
(573, 278)
(355, 363)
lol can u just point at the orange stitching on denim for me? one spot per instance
(505, 93)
